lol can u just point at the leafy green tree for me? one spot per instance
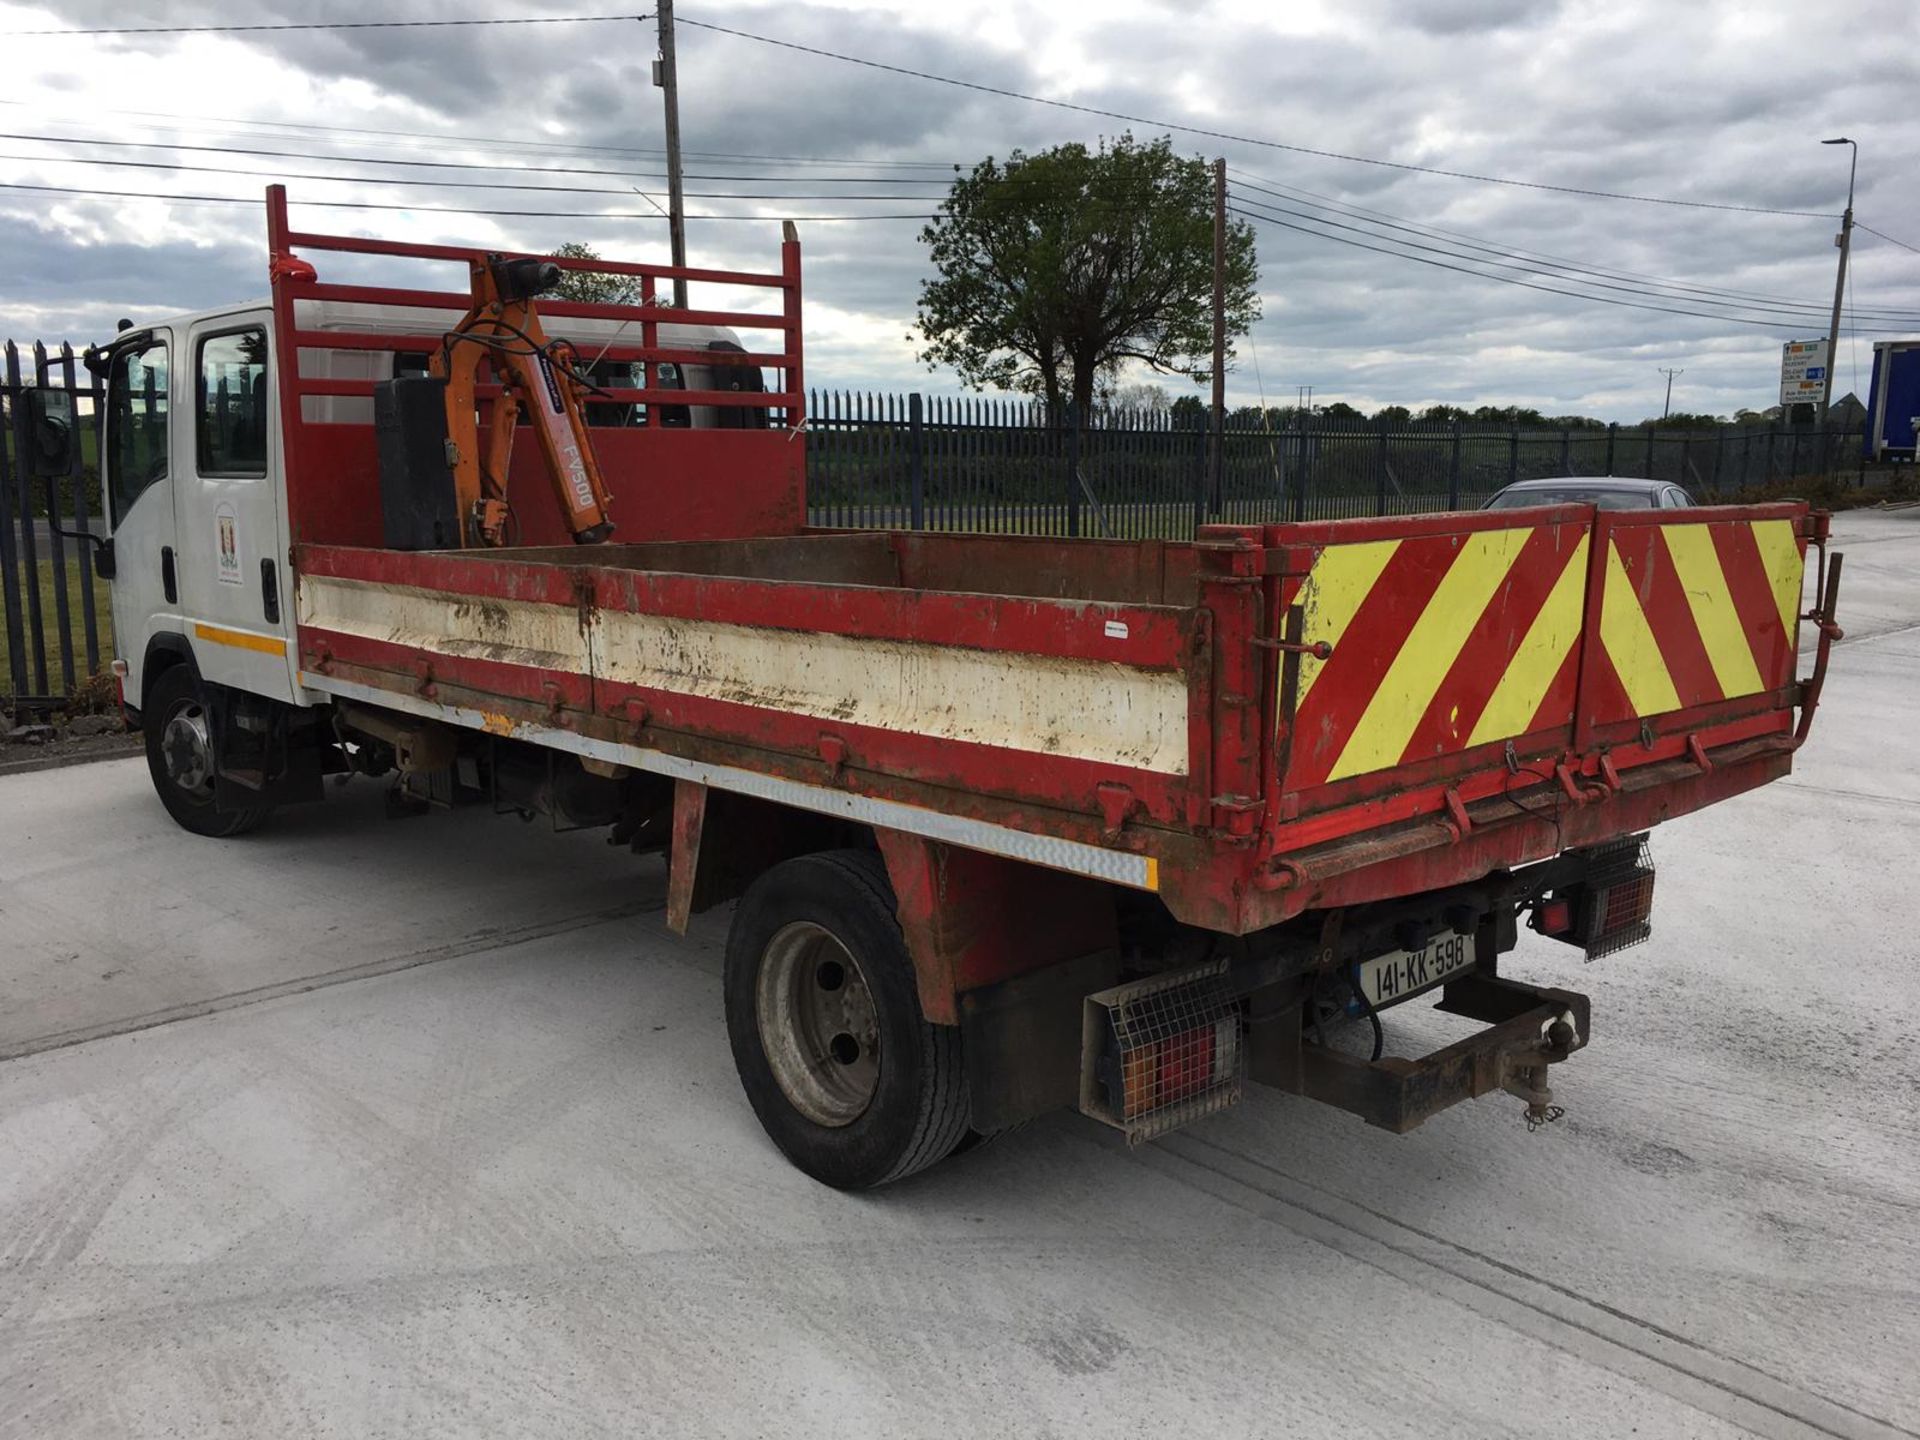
(1443, 415)
(1392, 415)
(588, 288)
(1055, 267)
(1189, 413)
(1683, 420)
(1515, 415)
(1340, 410)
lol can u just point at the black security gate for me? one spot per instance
(57, 623)
(925, 463)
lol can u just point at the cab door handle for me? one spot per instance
(168, 584)
(269, 592)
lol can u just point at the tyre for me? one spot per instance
(846, 1075)
(178, 733)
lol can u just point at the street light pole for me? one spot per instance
(1845, 241)
(1668, 410)
(1216, 460)
(667, 78)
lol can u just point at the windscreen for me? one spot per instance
(1605, 499)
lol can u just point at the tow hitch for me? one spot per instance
(1527, 1075)
(1529, 1028)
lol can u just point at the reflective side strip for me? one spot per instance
(239, 639)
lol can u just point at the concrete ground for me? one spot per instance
(429, 1128)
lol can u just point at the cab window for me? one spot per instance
(136, 422)
(231, 406)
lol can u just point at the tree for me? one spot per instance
(1517, 416)
(1682, 420)
(1055, 267)
(589, 288)
(1396, 416)
(1189, 413)
(1443, 415)
(1148, 399)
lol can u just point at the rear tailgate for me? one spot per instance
(1698, 614)
(1465, 660)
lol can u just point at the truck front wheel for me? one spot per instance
(846, 1075)
(178, 732)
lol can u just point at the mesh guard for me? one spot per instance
(1620, 898)
(1163, 1051)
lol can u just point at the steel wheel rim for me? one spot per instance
(187, 749)
(818, 1024)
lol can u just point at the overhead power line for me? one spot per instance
(442, 184)
(1886, 237)
(1315, 200)
(1243, 139)
(621, 173)
(415, 138)
(1571, 272)
(328, 25)
(1777, 325)
(440, 209)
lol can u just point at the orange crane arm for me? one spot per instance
(536, 374)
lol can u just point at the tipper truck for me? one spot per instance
(1013, 823)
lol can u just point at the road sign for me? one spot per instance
(1803, 371)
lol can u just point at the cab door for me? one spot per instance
(233, 583)
(138, 482)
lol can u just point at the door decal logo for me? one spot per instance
(227, 545)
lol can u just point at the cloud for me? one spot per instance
(1721, 101)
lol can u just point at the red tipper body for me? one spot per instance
(1265, 721)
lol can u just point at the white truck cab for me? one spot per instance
(194, 498)
(189, 461)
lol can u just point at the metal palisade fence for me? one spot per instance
(942, 464)
(55, 624)
(1006, 465)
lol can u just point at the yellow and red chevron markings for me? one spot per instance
(1694, 613)
(1442, 642)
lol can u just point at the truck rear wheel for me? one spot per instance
(846, 1075)
(174, 718)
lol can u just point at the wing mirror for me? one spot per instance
(51, 450)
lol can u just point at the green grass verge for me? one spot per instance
(50, 629)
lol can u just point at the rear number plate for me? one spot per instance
(1387, 978)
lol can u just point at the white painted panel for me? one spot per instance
(512, 632)
(1086, 709)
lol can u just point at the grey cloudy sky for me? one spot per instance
(1687, 99)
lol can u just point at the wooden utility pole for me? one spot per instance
(1216, 458)
(665, 76)
(1844, 242)
(1668, 408)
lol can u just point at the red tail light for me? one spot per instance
(1554, 917)
(1627, 904)
(1610, 909)
(1161, 1051)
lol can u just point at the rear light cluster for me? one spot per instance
(1627, 905)
(1608, 911)
(1162, 1051)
